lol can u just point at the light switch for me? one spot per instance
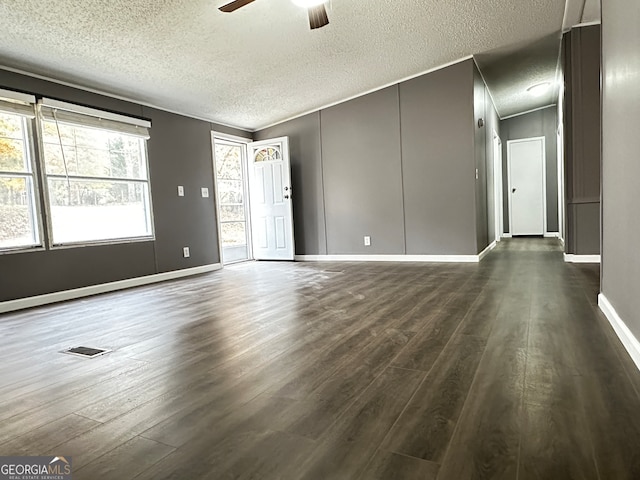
(205, 192)
(180, 191)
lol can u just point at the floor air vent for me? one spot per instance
(86, 352)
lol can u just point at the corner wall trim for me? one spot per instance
(627, 338)
(571, 258)
(28, 302)
(484, 253)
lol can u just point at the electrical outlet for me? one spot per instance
(367, 241)
(180, 191)
(185, 252)
(205, 192)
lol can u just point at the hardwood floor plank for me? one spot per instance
(553, 445)
(346, 449)
(216, 447)
(125, 461)
(611, 405)
(275, 456)
(425, 427)
(44, 440)
(391, 466)
(313, 415)
(422, 352)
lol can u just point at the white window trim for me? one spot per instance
(92, 112)
(17, 96)
(228, 139)
(51, 245)
(28, 138)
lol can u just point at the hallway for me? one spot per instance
(504, 369)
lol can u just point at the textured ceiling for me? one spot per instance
(261, 64)
(510, 70)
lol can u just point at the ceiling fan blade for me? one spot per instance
(318, 17)
(233, 6)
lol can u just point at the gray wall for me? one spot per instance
(581, 64)
(363, 174)
(397, 164)
(621, 151)
(541, 123)
(179, 154)
(438, 161)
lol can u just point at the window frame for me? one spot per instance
(31, 154)
(44, 176)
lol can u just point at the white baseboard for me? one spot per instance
(627, 338)
(388, 258)
(484, 253)
(571, 258)
(506, 235)
(396, 258)
(28, 302)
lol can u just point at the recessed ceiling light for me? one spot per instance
(539, 89)
(308, 3)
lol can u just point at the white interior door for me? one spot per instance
(526, 186)
(270, 199)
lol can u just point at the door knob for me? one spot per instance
(513, 190)
(286, 196)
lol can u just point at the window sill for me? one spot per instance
(29, 249)
(98, 243)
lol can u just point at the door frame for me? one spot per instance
(544, 181)
(244, 141)
(561, 186)
(497, 187)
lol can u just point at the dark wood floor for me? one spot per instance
(502, 370)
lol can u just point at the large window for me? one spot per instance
(18, 207)
(95, 168)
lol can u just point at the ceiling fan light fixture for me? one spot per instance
(539, 89)
(308, 3)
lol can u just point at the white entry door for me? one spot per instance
(270, 199)
(526, 186)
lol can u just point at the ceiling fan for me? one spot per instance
(317, 12)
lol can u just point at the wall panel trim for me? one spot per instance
(28, 302)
